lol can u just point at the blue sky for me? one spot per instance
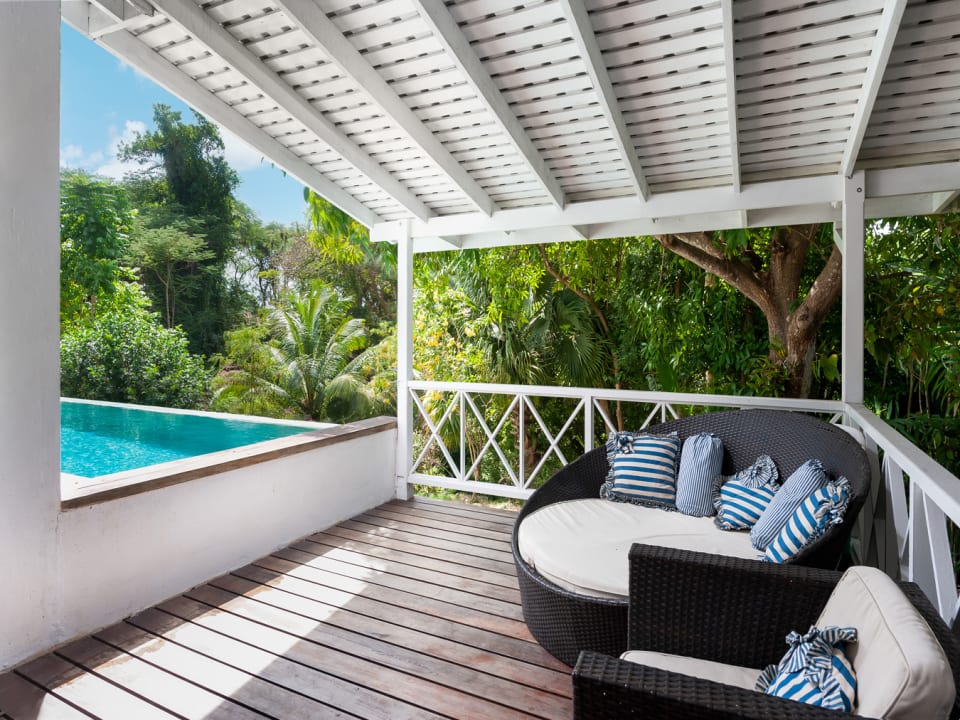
(104, 102)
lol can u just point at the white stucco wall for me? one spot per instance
(29, 322)
(120, 556)
(68, 573)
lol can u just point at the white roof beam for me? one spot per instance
(319, 28)
(883, 46)
(459, 50)
(579, 21)
(812, 191)
(127, 48)
(937, 177)
(731, 82)
(209, 32)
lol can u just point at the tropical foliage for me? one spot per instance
(128, 356)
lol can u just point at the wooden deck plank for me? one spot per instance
(294, 576)
(463, 537)
(218, 676)
(410, 610)
(91, 692)
(367, 632)
(166, 690)
(389, 671)
(20, 699)
(407, 510)
(433, 588)
(417, 546)
(406, 557)
(410, 519)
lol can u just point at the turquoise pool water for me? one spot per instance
(102, 439)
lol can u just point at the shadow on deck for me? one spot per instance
(408, 611)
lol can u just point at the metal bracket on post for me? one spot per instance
(404, 361)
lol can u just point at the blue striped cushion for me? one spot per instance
(647, 475)
(804, 480)
(699, 471)
(822, 509)
(744, 497)
(815, 670)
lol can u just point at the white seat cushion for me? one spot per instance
(735, 675)
(582, 545)
(902, 672)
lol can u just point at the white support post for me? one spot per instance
(404, 360)
(853, 280)
(29, 326)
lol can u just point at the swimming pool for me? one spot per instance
(104, 438)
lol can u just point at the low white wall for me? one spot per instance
(121, 556)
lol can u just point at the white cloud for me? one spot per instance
(106, 161)
(114, 167)
(238, 154)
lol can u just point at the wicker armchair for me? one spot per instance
(565, 623)
(715, 608)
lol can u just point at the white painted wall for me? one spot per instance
(124, 555)
(29, 322)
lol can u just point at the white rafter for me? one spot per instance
(729, 61)
(883, 46)
(458, 49)
(209, 32)
(579, 21)
(318, 27)
(128, 48)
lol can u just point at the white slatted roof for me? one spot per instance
(493, 121)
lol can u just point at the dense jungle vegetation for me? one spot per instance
(174, 293)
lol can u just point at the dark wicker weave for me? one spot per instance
(565, 623)
(722, 609)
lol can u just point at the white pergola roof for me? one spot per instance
(488, 122)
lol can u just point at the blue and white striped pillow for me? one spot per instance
(647, 475)
(698, 474)
(822, 509)
(815, 670)
(743, 497)
(805, 479)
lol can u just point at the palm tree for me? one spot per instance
(313, 362)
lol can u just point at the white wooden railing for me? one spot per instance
(903, 528)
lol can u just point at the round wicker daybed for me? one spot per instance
(565, 623)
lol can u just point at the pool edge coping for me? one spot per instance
(142, 480)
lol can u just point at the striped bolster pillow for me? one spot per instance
(700, 462)
(647, 475)
(822, 509)
(805, 479)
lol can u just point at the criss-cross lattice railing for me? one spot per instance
(505, 440)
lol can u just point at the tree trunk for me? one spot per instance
(791, 327)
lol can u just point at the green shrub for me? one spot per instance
(130, 357)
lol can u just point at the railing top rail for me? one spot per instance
(938, 483)
(648, 396)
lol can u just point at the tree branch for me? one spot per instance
(565, 281)
(705, 255)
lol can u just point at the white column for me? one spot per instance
(853, 280)
(29, 324)
(404, 360)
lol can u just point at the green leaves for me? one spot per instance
(127, 356)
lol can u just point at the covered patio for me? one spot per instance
(444, 127)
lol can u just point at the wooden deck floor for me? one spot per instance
(408, 611)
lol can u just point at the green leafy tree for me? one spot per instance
(128, 356)
(96, 219)
(184, 175)
(171, 257)
(792, 274)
